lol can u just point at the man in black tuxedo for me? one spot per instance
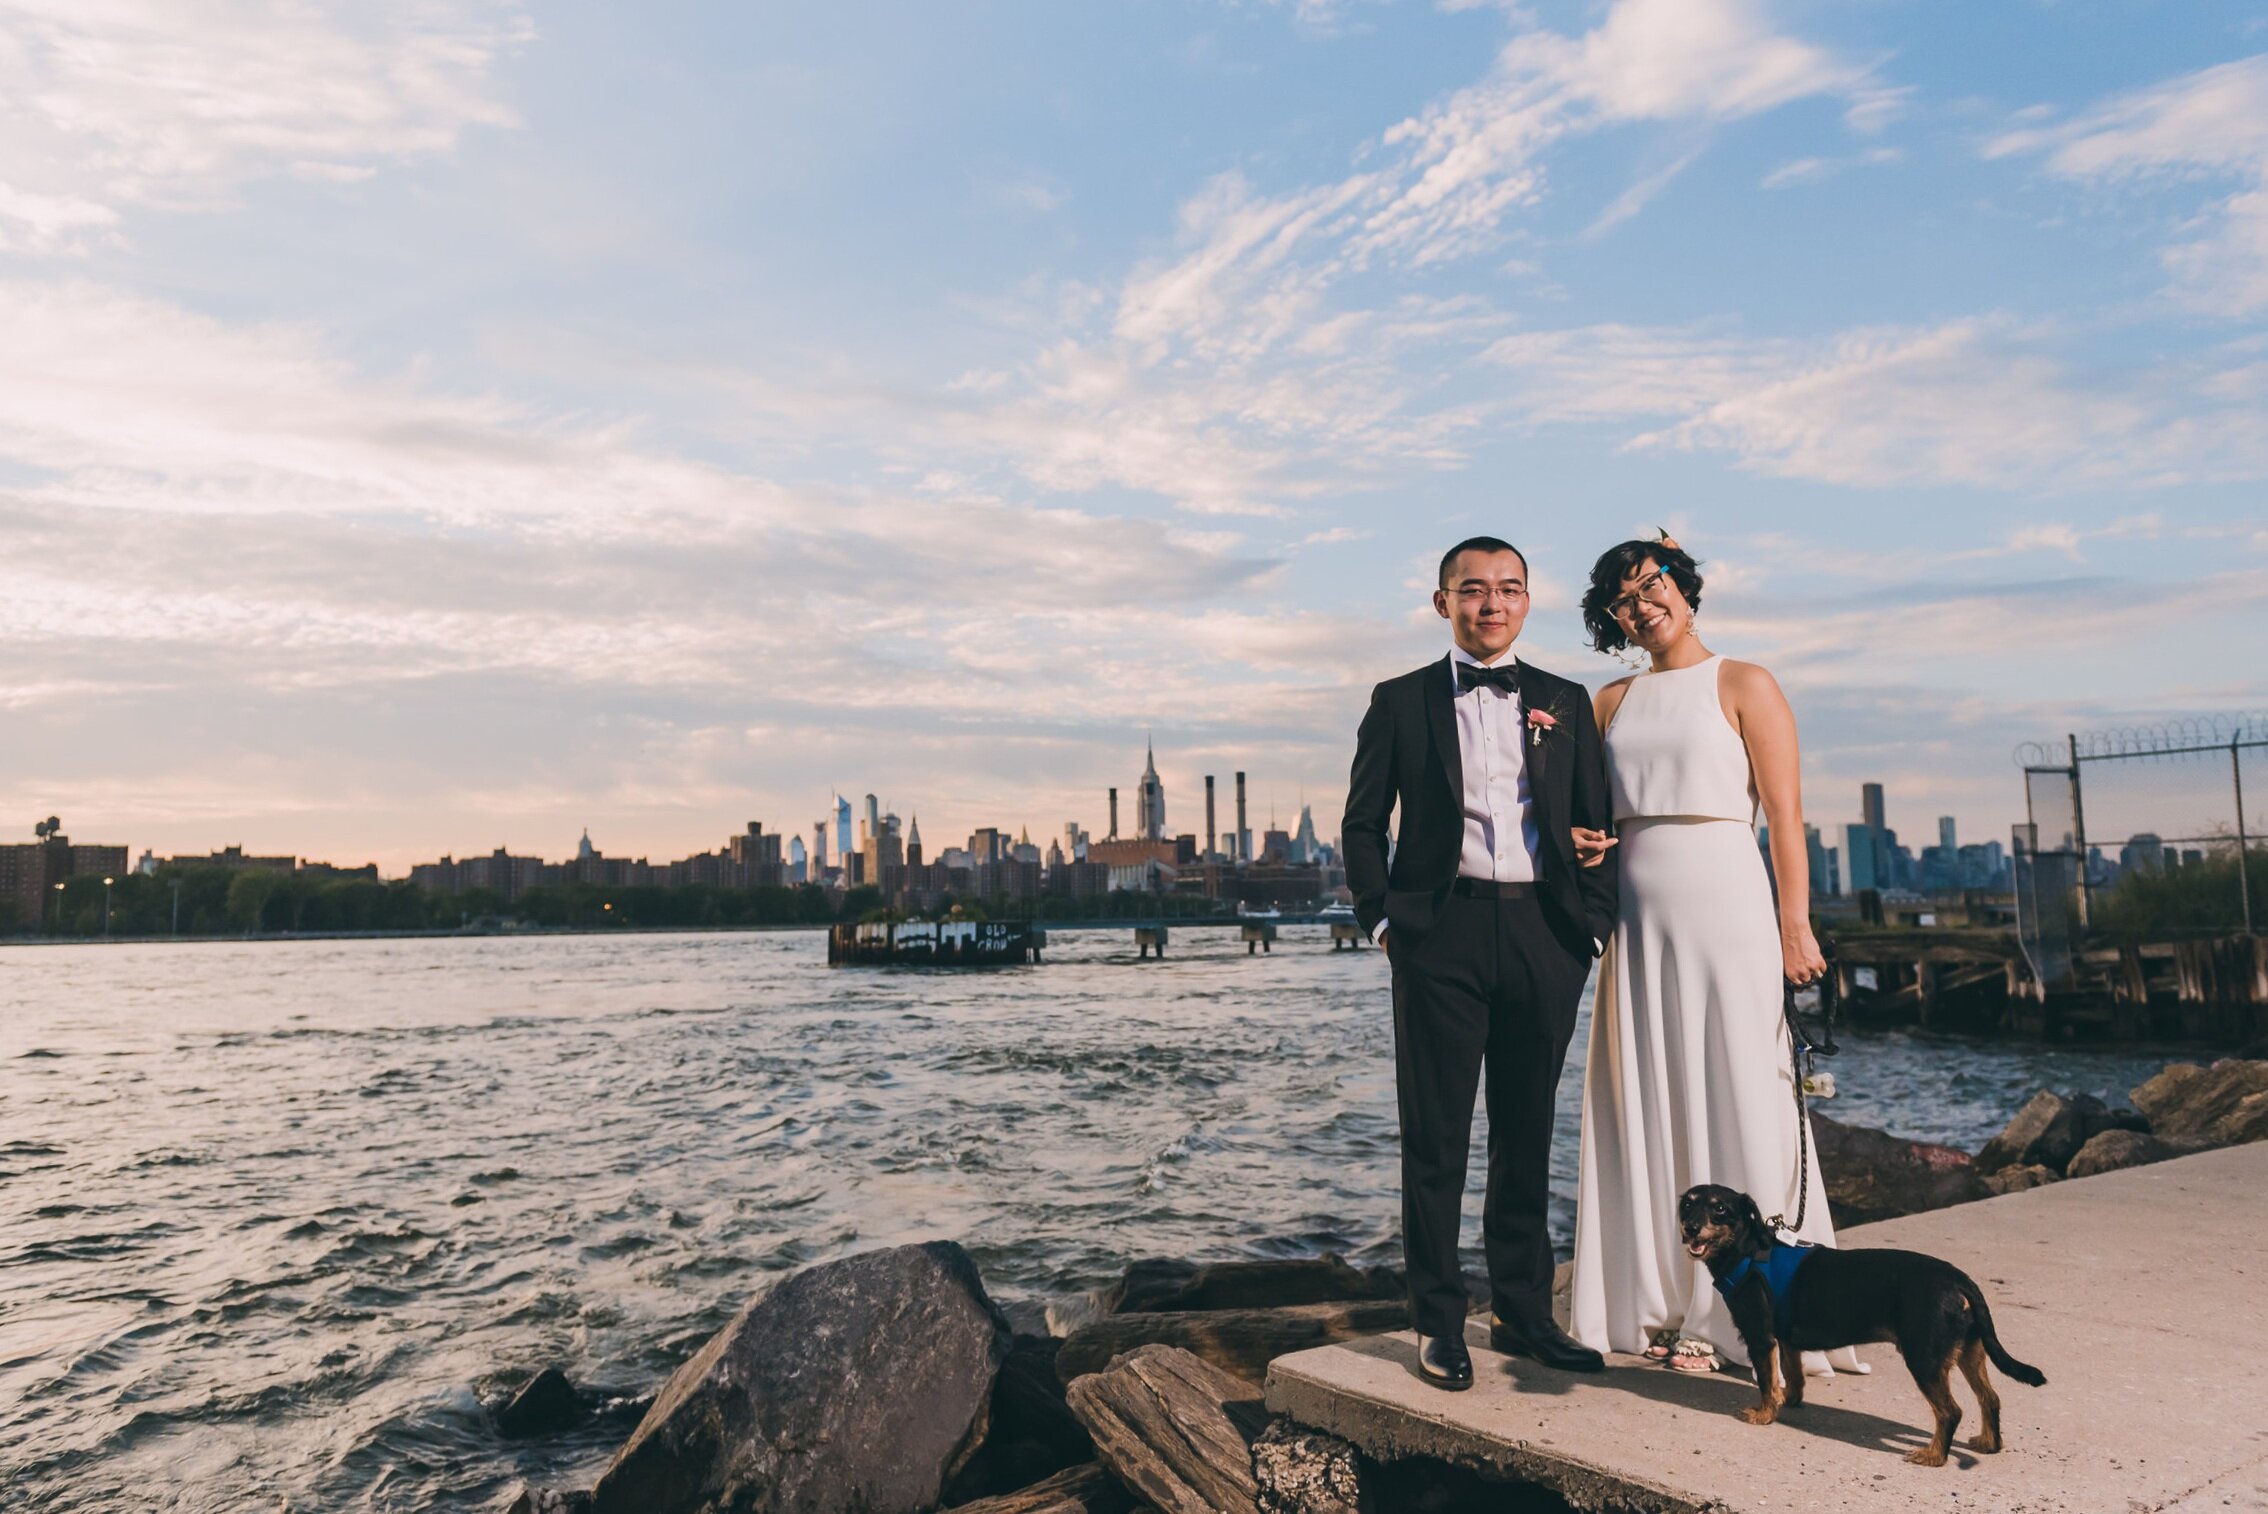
(1490, 924)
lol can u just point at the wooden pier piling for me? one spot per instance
(934, 943)
(2212, 989)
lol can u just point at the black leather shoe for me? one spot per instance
(1547, 1343)
(1443, 1361)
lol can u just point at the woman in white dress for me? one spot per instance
(1689, 1079)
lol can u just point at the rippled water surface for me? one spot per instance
(277, 1219)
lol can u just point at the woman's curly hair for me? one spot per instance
(1619, 562)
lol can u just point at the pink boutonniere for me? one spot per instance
(1539, 722)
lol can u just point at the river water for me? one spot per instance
(276, 1219)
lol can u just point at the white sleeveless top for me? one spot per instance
(1670, 750)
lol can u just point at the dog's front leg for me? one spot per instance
(1752, 1312)
(1767, 1364)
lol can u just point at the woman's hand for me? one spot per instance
(1591, 846)
(1800, 960)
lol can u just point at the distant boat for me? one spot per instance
(1332, 914)
(1270, 913)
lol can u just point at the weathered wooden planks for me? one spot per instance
(1175, 1429)
(1240, 1341)
(1084, 1489)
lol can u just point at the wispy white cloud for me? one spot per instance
(1981, 402)
(1814, 169)
(111, 104)
(1237, 376)
(1641, 194)
(232, 514)
(1472, 158)
(2214, 118)
(2212, 123)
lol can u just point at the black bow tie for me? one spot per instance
(1471, 676)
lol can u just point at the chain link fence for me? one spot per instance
(2140, 834)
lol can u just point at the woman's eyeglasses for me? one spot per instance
(1649, 587)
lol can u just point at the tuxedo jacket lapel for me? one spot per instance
(1441, 717)
(1548, 773)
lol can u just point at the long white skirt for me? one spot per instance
(1688, 1082)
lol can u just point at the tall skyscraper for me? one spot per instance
(1211, 836)
(1243, 831)
(1151, 805)
(1861, 864)
(843, 847)
(913, 843)
(1945, 835)
(1113, 815)
(1870, 806)
(1305, 848)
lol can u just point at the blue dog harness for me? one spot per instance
(1778, 1271)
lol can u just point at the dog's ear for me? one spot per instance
(1755, 1218)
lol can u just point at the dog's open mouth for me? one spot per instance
(1697, 1249)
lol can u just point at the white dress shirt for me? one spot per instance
(1501, 839)
(1492, 745)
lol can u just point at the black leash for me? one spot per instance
(1801, 1050)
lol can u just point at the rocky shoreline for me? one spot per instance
(890, 1382)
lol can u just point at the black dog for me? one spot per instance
(1787, 1300)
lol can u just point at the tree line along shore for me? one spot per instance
(220, 902)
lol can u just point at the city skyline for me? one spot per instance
(469, 437)
(1836, 845)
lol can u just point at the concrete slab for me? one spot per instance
(2142, 1295)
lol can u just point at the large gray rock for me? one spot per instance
(1032, 1433)
(2222, 1105)
(1160, 1285)
(2049, 1130)
(545, 1405)
(1872, 1175)
(2114, 1149)
(855, 1387)
(2021, 1179)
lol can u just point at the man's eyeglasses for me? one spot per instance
(1649, 587)
(1475, 594)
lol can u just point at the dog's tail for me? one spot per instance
(2023, 1372)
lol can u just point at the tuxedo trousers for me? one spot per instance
(1489, 989)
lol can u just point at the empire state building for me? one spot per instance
(1150, 800)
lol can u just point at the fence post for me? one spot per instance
(2243, 846)
(2079, 837)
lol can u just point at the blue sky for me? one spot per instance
(431, 427)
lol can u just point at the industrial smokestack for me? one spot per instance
(1114, 814)
(1241, 832)
(1209, 832)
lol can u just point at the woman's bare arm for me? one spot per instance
(1759, 711)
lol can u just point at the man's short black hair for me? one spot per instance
(1480, 544)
